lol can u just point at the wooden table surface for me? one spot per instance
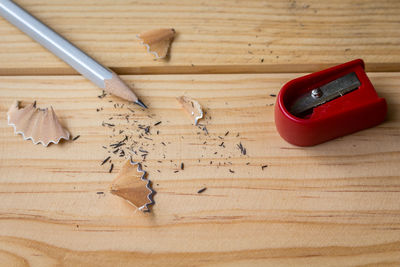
(335, 204)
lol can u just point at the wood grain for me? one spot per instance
(217, 36)
(333, 204)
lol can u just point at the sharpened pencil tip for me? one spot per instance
(140, 103)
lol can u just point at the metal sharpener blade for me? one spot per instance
(325, 93)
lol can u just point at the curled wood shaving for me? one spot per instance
(157, 41)
(132, 185)
(39, 125)
(192, 107)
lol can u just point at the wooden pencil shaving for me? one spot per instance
(157, 41)
(39, 125)
(192, 107)
(132, 185)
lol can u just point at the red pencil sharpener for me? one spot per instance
(328, 104)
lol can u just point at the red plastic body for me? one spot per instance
(357, 110)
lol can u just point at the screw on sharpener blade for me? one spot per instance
(325, 93)
(316, 93)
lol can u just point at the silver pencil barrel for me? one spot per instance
(69, 53)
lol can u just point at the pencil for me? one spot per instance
(103, 77)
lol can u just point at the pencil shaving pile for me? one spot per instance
(132, 185)
(39, 125)
(192, 107)
(157, 41)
